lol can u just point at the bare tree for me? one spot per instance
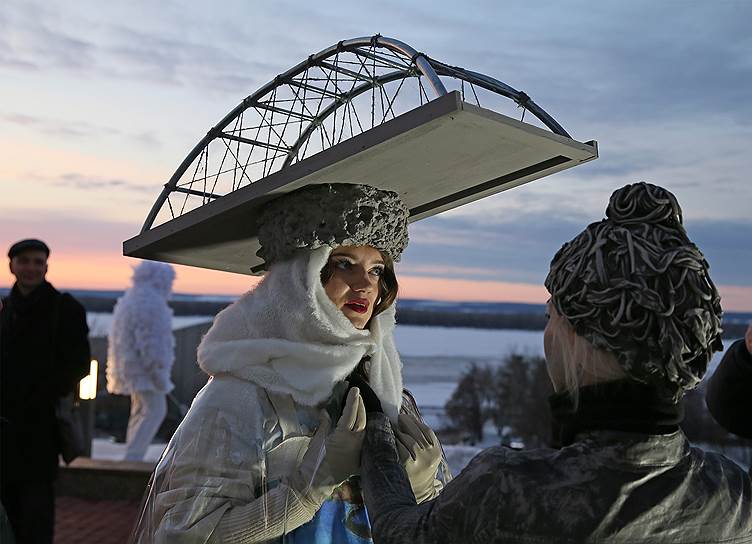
(472, 401)
(522, 391)
(514, 397)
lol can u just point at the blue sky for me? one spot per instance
(101, 101)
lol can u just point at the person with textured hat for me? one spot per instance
(634, 320)
(44, 352)
(270, 448)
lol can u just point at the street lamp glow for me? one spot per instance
(87, 388)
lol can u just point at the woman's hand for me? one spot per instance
(420, 454)
(331, 458)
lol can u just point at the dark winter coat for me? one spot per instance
(612, 486)
(40, 361)
(729, 393)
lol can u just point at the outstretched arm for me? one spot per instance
(395, 516)
(729, 394)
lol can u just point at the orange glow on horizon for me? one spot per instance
(112, 272)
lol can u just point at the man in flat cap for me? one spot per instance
(44, 352)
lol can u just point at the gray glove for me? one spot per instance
(420, 454)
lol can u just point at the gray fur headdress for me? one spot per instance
(333, 214)
(634, 285)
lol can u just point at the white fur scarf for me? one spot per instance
(288, 337)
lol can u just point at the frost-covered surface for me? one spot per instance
(100, 323)
(459, 456)
(104, 448)
(435, 357)
(462, 342)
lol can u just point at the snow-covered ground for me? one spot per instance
(434, 358)
(99, 322)
(459, 456)
(105, 448)
(460, 342)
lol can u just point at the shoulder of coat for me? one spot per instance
(69, 302)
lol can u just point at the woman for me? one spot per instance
(634, 320)
(267, 450)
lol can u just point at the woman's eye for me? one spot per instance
(378, 271)
(343, 264)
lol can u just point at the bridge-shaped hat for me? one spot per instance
(370, 111)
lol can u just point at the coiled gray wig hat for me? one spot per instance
(333, 214)
(634, 285)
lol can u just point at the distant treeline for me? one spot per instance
(522, 321)
(179, 307)
(438, 318)
(405, 316)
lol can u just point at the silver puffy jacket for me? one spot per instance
(608, 486)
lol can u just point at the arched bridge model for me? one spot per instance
(367, 110)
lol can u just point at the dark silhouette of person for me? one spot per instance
(729, 391)
(44, 352)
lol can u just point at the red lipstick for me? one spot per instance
(359, 305)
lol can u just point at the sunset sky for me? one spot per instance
(100, 101)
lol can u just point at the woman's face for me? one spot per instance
(354, 284)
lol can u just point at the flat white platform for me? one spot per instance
(441, 155)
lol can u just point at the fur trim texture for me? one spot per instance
(288, 337)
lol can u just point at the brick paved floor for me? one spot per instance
(98, 522)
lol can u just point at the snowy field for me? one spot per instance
(434, 358)
(99, 323)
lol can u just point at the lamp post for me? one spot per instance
(87, 394)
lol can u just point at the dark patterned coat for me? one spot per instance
(608, 486)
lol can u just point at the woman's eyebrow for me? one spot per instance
(344, 254)
(354, 258)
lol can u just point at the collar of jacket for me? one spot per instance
(621, 405)
(42, 294)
